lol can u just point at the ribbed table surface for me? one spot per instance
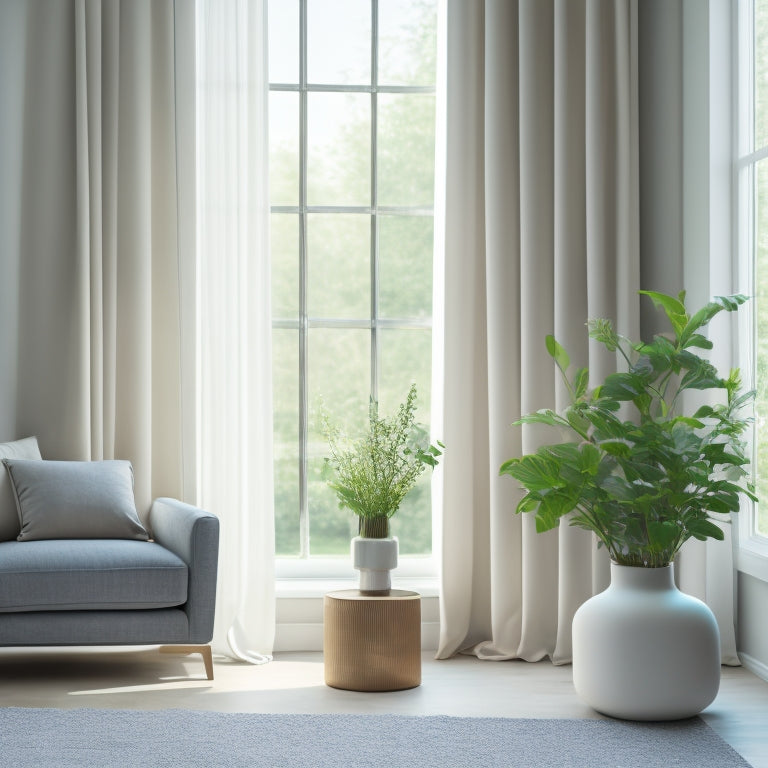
(372, 642)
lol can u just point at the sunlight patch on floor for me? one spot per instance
(169, 684)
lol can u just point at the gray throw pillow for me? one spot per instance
(75, 500)
(9, 517)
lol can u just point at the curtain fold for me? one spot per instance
(235, 328)
(99, 366)
(542, 233)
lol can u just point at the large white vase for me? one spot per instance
(643, 650)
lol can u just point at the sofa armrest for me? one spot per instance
(193, 535)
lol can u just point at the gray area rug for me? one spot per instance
(92, 738)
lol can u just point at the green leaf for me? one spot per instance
(643, 368)
(545, 522)
(616, 447)
(635, 469)
(722, 505)
(589, 458)
(428, 459)
(701, 374)
(688, 421)
(619, 488)
(634, 533)
(558, 353)
(712, 308)
(535, 472)
(704, 529)
(662, 535)
(564, 453)
(606, 424)
(577, 420)
(544, 416)
(718, 453)
(674, 309)
(529, 503)
(743, 399)
(697, 340)
(603, 403)
(623, 386)
(580, 383)
(552, 507)
(660, 352)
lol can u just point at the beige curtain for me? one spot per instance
(99, 257)
(541, 233)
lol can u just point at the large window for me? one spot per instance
(352, 133)
(753, 228)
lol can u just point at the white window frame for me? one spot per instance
(752, 552)
(304, 575)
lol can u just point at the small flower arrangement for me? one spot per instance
(374, 473)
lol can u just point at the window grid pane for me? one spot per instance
(760, 53)
(284, 26)
(338, 149)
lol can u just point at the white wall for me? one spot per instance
(300, 622)
(753, 623)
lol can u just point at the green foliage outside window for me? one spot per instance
(761, 258)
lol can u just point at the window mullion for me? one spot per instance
(303, 274)
(753, 158)
(374, 202)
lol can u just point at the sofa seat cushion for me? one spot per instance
(89, 574)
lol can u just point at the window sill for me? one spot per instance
(319, 575)
(316, 588)
(753, 560)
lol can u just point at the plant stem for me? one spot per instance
(374, 527)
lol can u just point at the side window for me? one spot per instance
(752, 186)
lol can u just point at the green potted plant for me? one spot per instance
(644, 472)
(371, 476)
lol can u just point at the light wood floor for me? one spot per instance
(293, 682)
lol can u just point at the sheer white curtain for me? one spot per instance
(235, 399)
(541, 233)
(92, 262)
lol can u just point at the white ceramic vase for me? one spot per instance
(375, 559)
(643, 650)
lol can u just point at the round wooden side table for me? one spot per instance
(372, 642)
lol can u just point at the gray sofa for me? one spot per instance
(115, 591)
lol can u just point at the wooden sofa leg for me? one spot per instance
(204, 650)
